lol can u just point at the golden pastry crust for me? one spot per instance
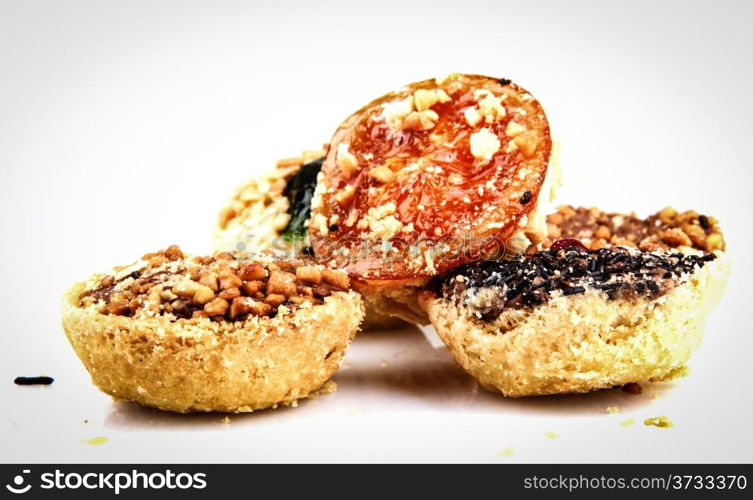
(580, 343)
(198, 364)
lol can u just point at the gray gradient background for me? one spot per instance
(125, 125)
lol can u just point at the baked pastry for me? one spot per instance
(270, 214)
(218, 333)
(271, 211)
(666, 229)
(437, 174)
(568, 319)
(546, 324)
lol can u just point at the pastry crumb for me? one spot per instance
(507, 452)
(96, 441)
(627, 423)
(551, 435)
(613, 410)
(662, 422)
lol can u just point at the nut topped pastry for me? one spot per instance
(664, 230)
(429, 177)
(570, 319)
(215, 333)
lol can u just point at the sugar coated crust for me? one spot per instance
(580, 343)
(199, 365)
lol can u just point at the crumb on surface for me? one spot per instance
(613, 410)
(507, 452)
(662, 422)
(627, 423)
(95, 441)
(551, 435)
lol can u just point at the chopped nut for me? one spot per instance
(382, 174)
(119, 303)
(667, 215)
(491, 108)
(210, 280)
(514, 129)
(281, 282)
(229, 280)
(173, 252)
(603, 232)
(484, 144)
(346, 160)
(107, 281)
(275, 299)
(216, 307)
(696, 233)
(298, 299)
(395, 112)
(472, 116)
(230, 293)
(526, 142)
(185, 288)
(345, 195)
(309, 274)
(203, 295)
(224, 256)
(421, 120)
(252, 271)
(424, 99)
(714, 242)
(337, 279)
(245, 305)
(675, 238)
(252, 287)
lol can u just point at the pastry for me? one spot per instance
(437, 174)
(218, 333)
(569, 319)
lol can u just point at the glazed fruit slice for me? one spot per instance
(439, 173)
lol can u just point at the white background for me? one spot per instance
(124, 126)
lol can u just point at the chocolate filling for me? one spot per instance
(487, 288)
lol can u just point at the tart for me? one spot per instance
(569, 319)
(437, 174)
(220, 333)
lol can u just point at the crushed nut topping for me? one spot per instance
(568, 268)
(665, 230)
(484, 145)
(222, 287)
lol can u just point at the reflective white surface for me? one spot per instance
(124, 126)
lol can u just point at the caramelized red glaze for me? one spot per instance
(441, 192)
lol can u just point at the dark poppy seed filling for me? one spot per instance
(489, 287)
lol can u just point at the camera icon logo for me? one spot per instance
(18, 484)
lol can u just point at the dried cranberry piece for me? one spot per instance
(568, 243)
